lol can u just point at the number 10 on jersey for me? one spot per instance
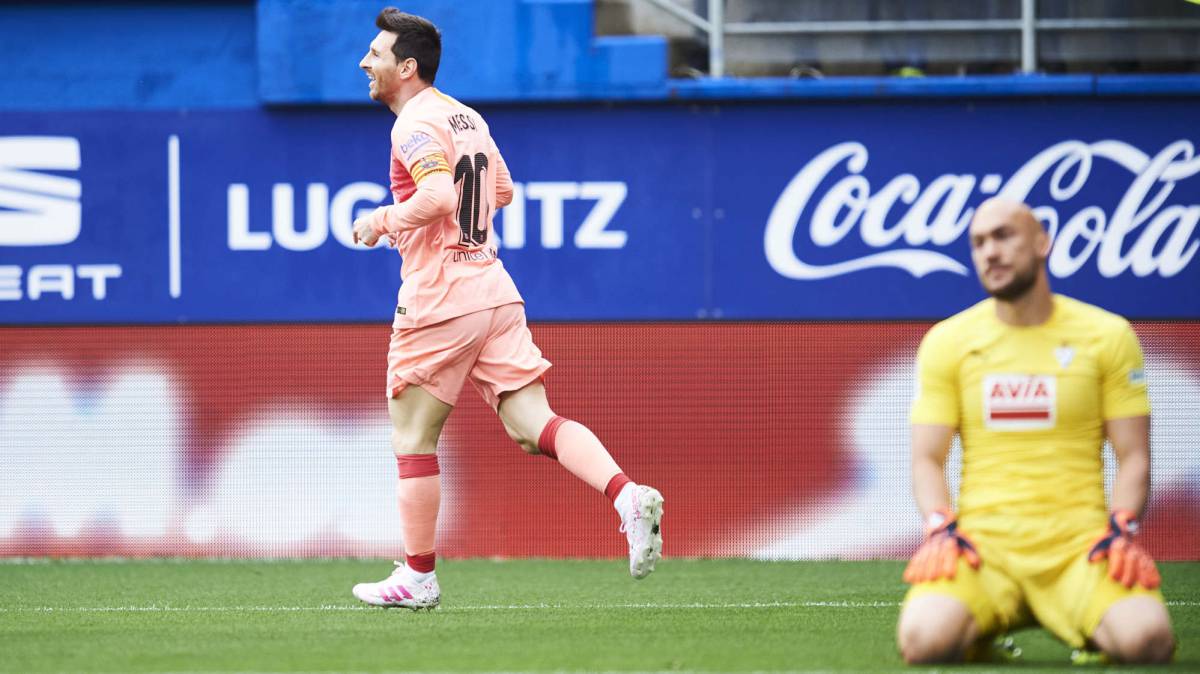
(471, 193)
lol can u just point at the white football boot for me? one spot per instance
(641, 509)
(402, 590)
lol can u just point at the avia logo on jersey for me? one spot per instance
(38, 209)
(1019, 402)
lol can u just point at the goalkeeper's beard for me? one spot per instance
(1020, 285)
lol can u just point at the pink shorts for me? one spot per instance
(492, 347)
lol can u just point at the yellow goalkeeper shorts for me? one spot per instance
(1063, 593)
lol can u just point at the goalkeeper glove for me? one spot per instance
(1128, 562)
(937, 557)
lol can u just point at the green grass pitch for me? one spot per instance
(513, 616)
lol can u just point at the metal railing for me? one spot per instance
(1028, 24)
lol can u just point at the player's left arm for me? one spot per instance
(434, 199)
(1126, 413)
(435, 196)
(1130, 438)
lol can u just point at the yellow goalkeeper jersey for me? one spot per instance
(1029, 404)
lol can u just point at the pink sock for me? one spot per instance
(615, 485)
(420, 494)
(420, 563)
(579, 451)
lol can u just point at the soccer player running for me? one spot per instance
(459, 315)
(1033, 382)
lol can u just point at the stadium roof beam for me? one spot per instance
(1028, 24)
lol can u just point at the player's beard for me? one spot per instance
(1021, 282)
(384, 89)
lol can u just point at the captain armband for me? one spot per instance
(429, 165)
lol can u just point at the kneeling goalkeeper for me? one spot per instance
(1033, 382)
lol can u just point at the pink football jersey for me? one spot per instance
(449, 268)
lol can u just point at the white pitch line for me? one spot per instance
(556, 672)
(481, 607)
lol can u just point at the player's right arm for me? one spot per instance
(934, 420)
(930, 447)
(504, 182)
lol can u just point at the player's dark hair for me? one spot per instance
(416, 38)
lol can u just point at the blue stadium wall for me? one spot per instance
(178, 283)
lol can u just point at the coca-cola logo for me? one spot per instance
(1142, 234)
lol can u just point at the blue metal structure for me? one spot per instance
(305, 52)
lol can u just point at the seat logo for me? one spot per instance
(38, 208)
